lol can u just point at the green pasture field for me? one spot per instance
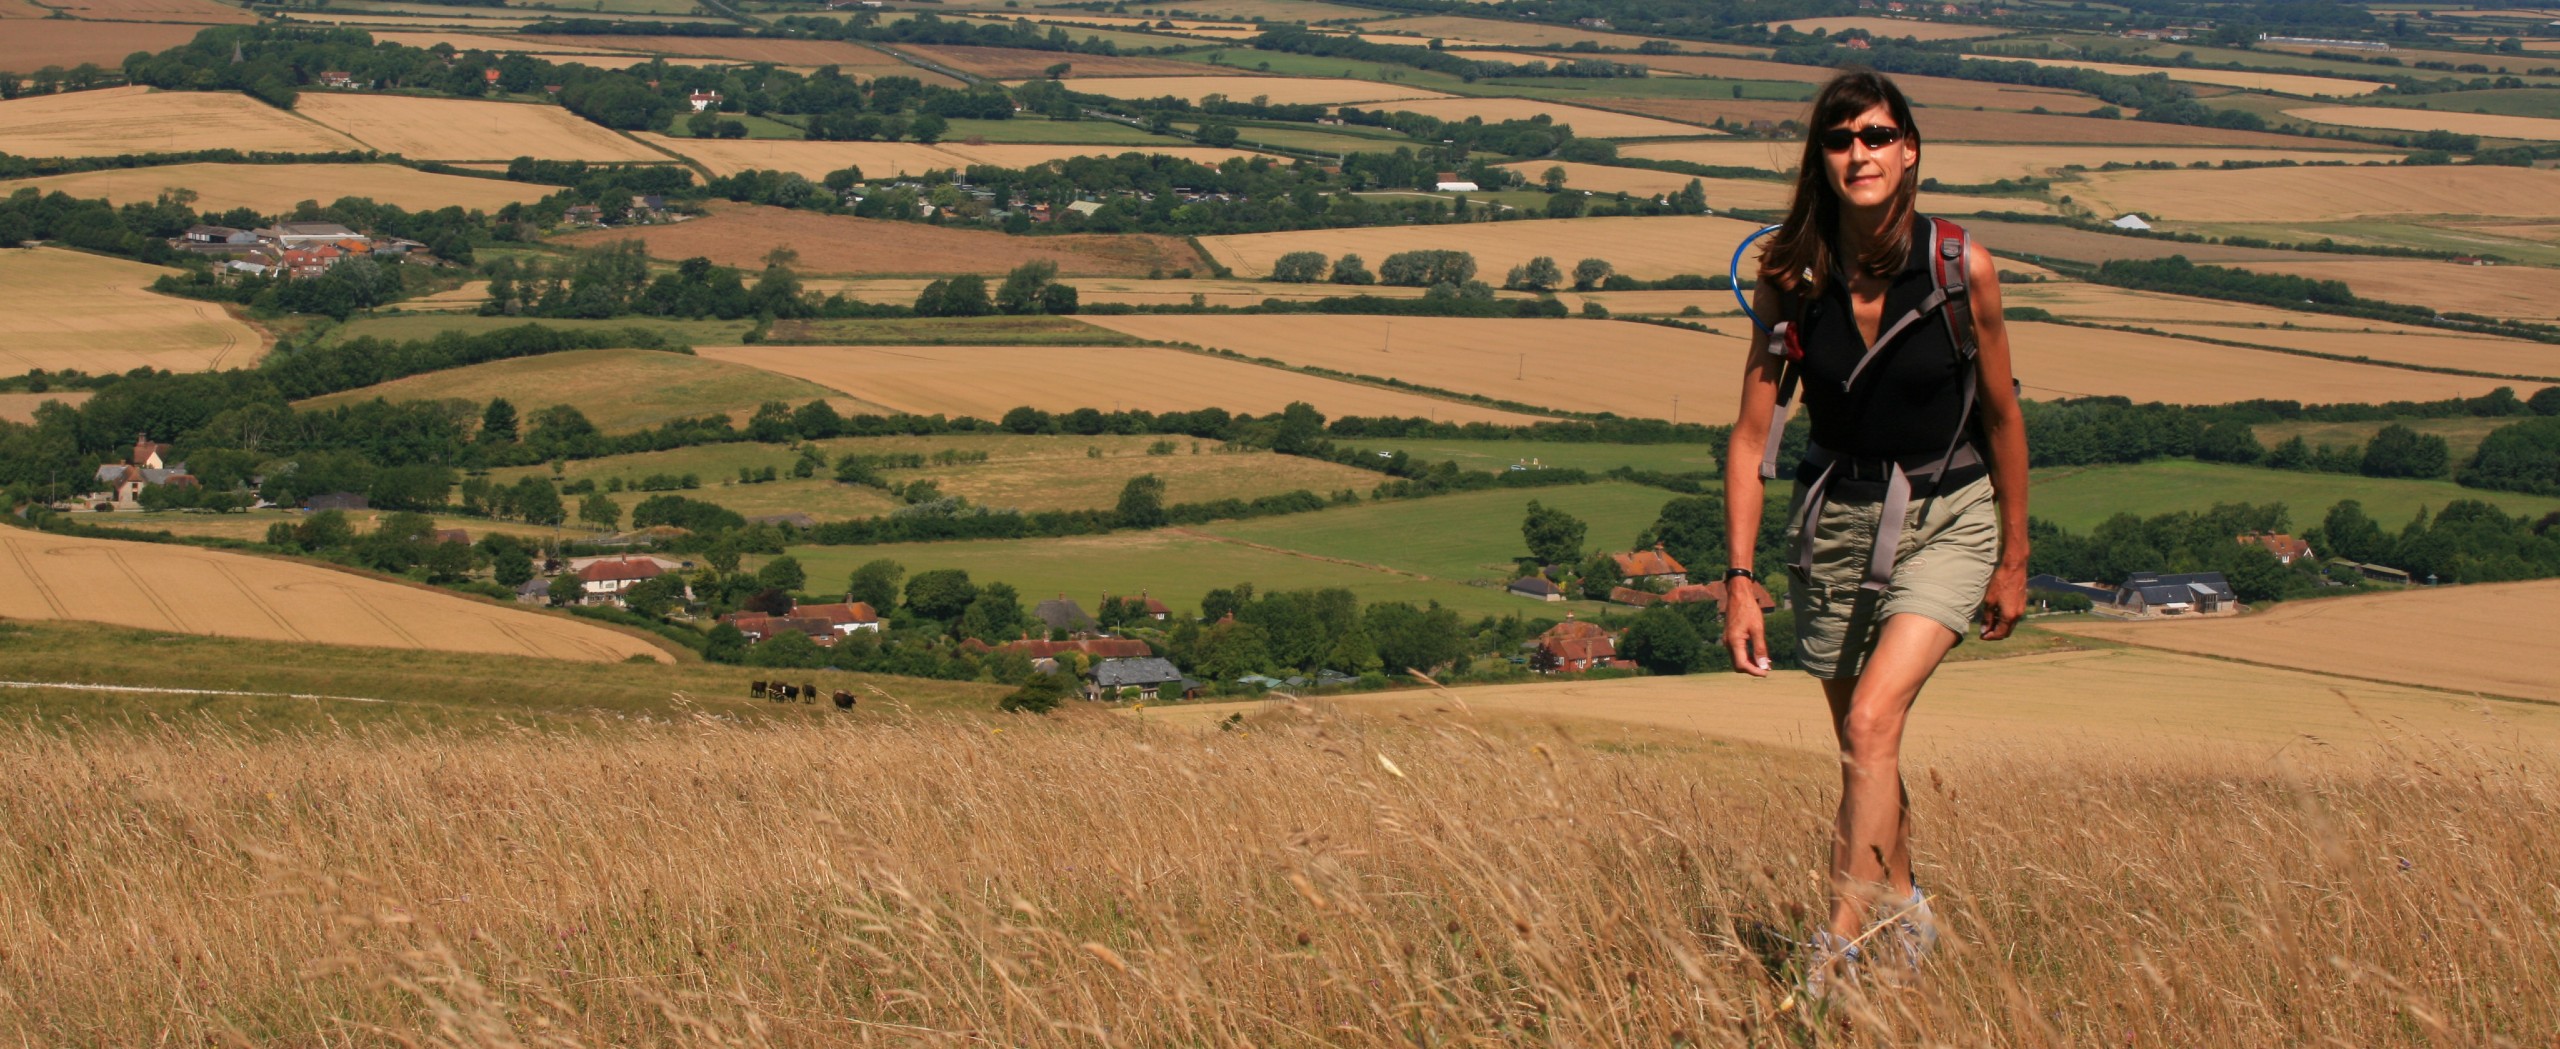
(1000, 330)
(1313, 140)
(1496, 455)
(1071, 132)
(1597, 91)
(415, 689)
(2079, 498)
(251, 526)
(1302, 551)
(619, 390)
(632, 7)
(2461, 436)
(2385, 234)
(2511, 101)
(404, 327)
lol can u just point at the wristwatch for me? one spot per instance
(1743, 572)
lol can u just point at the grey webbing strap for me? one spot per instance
(1811, 514)
(1777, 429)
(1937, 297)
(1888, 548)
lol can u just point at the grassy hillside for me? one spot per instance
(619, 390)
(2080, 497)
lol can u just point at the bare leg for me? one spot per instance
(1871, 849)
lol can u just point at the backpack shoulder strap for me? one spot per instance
(1785, 343)
(1948, 248)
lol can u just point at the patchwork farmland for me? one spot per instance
(273, 188)
(62, 309)
(119, 120)
(737, 235)
(1973, 164)
(1644, 248)
(617, 390)
(193, 591)
(890, 159)
(459, 129)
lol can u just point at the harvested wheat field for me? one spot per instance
(2516, 292)
(1647, 248)
(1136, 291)
(191, 12)
(1725, 194)
(65, 309)
(38, 42)
(884, 159)
(1547, 363)
(852, 59)
(23, 9)
(458, 20)
(740, 235)
(461, 129)
(2104, 304)
(2065, 242)
(275, 188)
(2280, 83)
(119, 120)
(2395, 119)
(2480, 353)
(1925, 91)
(1586, 122)
(1014, 63)
(1281, 91)
(2324, 194)
(1459, 30)
(988, 381)
(1961, 163)
(21, 407)
(497, 44)
(2055, 360)
(618, 390)
(2492, 638)
(1888, 28)
(194, 591)
(1942, 125)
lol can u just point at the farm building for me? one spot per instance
(760, 627)
(1627, 595)
(2175, 594)
(604, 579)
(1144, 679)
(307, 234)
(2287, 549)
(2372, 572)
(1536, 588)
(1650, 566)
(120, 485)
(843, 617)
(336, 501)
(1061, 613)
(1573, 646)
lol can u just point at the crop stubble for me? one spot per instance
(118, 120)
(883, 159)
(274, 188)
(189, 590)
(2055, 360)
(463, 129)
(1644, 247)
(64, 309)
(740, 235)
(2324, 194)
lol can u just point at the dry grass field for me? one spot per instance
(853, 59)
(737, 235)
(2435, 350)
(118, 120)
(2103, 304)
(274, 188)
(1014, 63)
(2394, 119)
(502, 45)
(1888, 28)
(2479, 639)
(462, 129)
(1725, 194)
(192, 12)
(2521, 292)
(2280, 83)
(23, 9)
(1459, 30)
(1587, 122)
(458, 20)
(1446, 873)
(188, 590)
(883, 159)
(2056, 360)
(1279, 90)
(2090, 246)
(988, 381)
(1135, 291)
(1645, 248)
(1966, 125)
(2324, 194)
(1929, 91)
(1967, 164)
(1077, 482)
(1548, 363)
(21, 407)
(34, 43)
(618, 390)
(65, 309)
(250, 526)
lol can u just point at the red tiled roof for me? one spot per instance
(1099, 647)
(2277, 543)
(1572, 630)
(840, 613)
(1641, 563)
(1627, 595)
(620, 568)
(1575, 650)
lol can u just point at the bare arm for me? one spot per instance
(1744, 633)
(2005, 430)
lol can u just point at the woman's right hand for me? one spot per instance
(1746, 636)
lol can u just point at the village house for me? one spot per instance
(604, 579)
(1650, 566)
(2286, 548)
(843, 617)
(1143, 679)
(2175, 594)
(1036, 649)
(584, 215)
(120, 485)
(1536, 588)
(1060, 613)
(759, 627)
(704, 100)
(1574, 646)
(340, 80)
(1147, 606)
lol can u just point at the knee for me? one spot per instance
(1872, 737)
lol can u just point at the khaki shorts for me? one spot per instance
(1940, 572)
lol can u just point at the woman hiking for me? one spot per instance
(1909, 518)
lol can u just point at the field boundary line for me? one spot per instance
(2359, 678)
(79, 686)
(18, 552)
(1268, 548)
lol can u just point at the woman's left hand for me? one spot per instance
(2004, 603)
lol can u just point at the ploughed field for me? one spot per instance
(66, 309)
(196, 591)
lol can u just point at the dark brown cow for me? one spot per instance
(808, 693)
(757, 690)
(844, 700)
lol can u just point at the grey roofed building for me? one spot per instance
(1537, 587)
(2054, 584)
(2149, 591)
(1060, 613)
(1142, 670)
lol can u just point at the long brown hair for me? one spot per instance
(1798, 257)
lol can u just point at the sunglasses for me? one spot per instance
(1876, 136)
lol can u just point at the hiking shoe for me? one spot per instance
(1829, 963)
(1915, 930)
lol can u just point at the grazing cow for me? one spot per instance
(757, 690)
(808, 693)
(844, 700)
(788, 693)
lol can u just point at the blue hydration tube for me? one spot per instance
(1733, 276)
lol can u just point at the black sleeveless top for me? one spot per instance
(1910, 400)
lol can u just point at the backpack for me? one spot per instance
(1950, 297)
